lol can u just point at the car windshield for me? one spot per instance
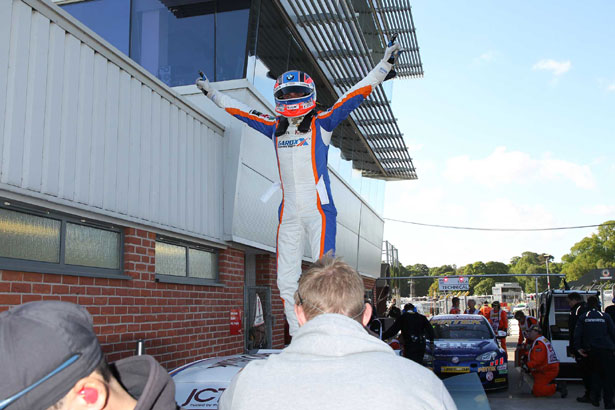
(461, 329)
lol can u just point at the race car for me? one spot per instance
(467, 344)
(199, 385)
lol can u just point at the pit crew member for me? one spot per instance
(455, 309)
(471, 309)
(542, 363)
(594, 339)
(498, 319)
(525, 322)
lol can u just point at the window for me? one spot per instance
(174, 40)
(36, 240)
(110, 19)
(179, 262)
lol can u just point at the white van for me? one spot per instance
(553, 315)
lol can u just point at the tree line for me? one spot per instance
(596, 251)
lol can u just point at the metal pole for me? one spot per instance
(548, 279)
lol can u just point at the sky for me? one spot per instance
(512, 126)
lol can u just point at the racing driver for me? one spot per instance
(301, 136)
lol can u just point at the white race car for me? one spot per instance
(198, 385)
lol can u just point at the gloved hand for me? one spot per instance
(203, 84)
(391, 52)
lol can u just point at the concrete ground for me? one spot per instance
(519, 394)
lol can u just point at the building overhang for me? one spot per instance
(346, 38)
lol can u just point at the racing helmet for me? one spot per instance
(294, 93)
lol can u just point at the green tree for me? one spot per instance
(532, 262)
(421, 286)
(594, 252)
(484, 286)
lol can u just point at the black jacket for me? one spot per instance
(146, 381)
(610, 310)
(414, 327)
(577, 310)
(594, 330)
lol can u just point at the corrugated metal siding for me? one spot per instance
(84, 126)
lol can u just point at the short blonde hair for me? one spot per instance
(331, 286)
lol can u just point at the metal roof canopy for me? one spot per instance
(346, 37)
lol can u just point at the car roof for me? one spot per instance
(216, 369)
(452, 317)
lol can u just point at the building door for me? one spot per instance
(258, 324)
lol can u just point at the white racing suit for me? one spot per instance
(307, 205)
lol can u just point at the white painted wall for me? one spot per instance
(83, 126)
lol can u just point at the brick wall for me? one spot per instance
(369, 283)
(180, 323)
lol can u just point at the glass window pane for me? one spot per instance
(109, 19)
(170, 259)
(173, 45)
(202, 264)
(24, 236)
(87, 246)
(231, 37)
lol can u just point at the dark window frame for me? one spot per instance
(188, 280)
(61, 268)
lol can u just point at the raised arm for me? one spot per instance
(354, 97)
(262, 123)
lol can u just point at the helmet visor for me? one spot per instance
(292, 91)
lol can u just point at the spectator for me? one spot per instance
(523, 343)
(578, 307)
(415, 329)
(542, 363)
(332, 363)
(455, 309)
(471, 309)
(594, 338)
(498, 320)
(50, 358)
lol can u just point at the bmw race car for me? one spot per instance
(467, 344)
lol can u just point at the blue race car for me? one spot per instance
(467, 344)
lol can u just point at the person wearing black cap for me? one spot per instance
(594, 338)
(50, 358)
(415, 328)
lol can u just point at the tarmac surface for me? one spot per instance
(519, 394)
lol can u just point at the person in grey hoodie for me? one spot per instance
(50, 358)
(332, 362)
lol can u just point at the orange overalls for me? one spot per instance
(455, 311)
(523, 333)
(542, 362)
(499, 321)
(485, 311)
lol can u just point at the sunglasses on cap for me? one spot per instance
(7, 402)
